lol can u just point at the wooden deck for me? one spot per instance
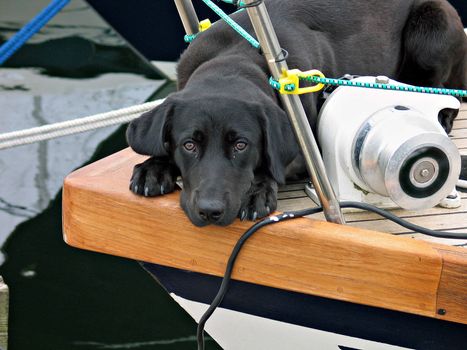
(355, 264)
(293, 197)
(4, 301)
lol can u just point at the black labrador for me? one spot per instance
(225, 131)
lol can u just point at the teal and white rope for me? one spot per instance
(188, 38)
(340, 82)
(235, 26)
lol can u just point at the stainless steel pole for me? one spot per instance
(273, 52)
(188, 16)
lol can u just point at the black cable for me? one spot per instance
(233, 256)
(297, 214)
(402, 222)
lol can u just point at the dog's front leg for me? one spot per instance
(154, 177)
(260, 200)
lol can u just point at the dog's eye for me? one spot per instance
(189, 146)
(240, 146)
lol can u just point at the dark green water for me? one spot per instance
(61, 297)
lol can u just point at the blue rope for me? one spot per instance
(232, 23)
(35, 25)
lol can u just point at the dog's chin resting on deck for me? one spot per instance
(225, 131)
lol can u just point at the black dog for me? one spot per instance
(225, 132)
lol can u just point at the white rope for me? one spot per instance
(51, 131)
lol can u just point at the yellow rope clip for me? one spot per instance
(205, 24)
(293, 76)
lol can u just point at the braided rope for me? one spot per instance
(340, 82)
(421, 89)
(51, 131)
(188, 38)
(235, 26)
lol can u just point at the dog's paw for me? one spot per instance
(154, 177)
(260, 201)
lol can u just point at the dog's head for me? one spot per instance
(219, 143)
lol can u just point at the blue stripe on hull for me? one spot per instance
(345, 318)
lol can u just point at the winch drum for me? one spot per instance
(398, 154)
(387, 147)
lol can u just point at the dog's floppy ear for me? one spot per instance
(280, 146)
(148, 134)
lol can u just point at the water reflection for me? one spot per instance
(32, 174)
(76, 17)
(65, 298)
(61, 297)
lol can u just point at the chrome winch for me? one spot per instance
(387, 147)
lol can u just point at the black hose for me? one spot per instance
(230, 264)
(297, 214)
(402, 222)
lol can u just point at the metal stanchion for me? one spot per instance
(292, 104)
(188, 16)
(274, 56)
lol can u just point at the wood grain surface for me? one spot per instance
(4, 301)
(302, 255)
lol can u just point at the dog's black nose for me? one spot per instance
(211, 210)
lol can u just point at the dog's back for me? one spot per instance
(323, 34)
(393, 38)
(435, 47)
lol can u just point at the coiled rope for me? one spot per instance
(35, 25)
(51, 131)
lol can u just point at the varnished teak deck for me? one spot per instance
(424, 276)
